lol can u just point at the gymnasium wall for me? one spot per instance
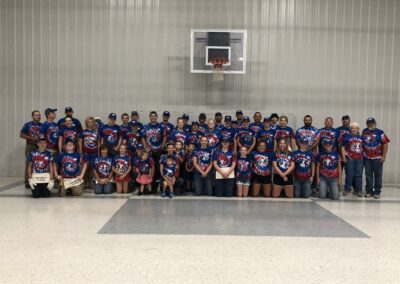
(319, 57)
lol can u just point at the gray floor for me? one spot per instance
(232, 217)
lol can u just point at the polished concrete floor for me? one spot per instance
(127, 239)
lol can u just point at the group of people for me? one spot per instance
(220, 156)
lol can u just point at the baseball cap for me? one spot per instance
(69, 140)
(41, 138)
(345, 117)
(195, 123)
(134, 113)
(224, 139)
(228, 118)
(267, 118)
(218, 114)
(302, 140)
(326, 141)
(139, 146)
(238, 112)
(246, 118)
(112, 116)
(166, 113)
(49, 110)
(68, 109)
(185, 116)
(371, 120)
(234, 122)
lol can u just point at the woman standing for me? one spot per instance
(102, 171)
(202, 162)
(68, 132)
(261, 170)
(224, 161)
(283, 166)
(284, 131)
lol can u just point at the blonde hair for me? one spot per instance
(287, 151)
(87, 120)
(355, 124)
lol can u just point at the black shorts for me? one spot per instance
(278, 180)
(255, 178)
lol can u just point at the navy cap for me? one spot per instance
(239, 112)
(228, 118)
(185, 116)
(371, 120)
(112, 116)
(139, 146)
(345, 117)
(246, 118)
(68, 109)
(49, 110)
(302, 139)
(218, 114)
(327, 141)
(267, 118)
(195, 123)
(69, 140)
(41, 138)
(134, 124)
(166, 113)
(234, 122)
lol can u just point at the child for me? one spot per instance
(189, 166)
(243, 173)
(102, 171)
(122, 169)
(145, 171)
(283, 166)
(169, 176)
(328, 171)
(303, 169)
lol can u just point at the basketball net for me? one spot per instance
(218, 68)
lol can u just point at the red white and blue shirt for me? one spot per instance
(261, 162)
(373, 142)
(331, 134)
(40, 161)
(224, 159)
(243, 167)
(303, 161)
(214, 138)
(193, 138)
(90, 140)
(121, 163)
(309, 134)
(256, 126)
(329, 163)
(204, 157)
(282, 161)
(103, 166)
(178, 135)
(144, 166)
(353, 146)
(267, 135)
(69, 164)
(285, 133)
(245, 136)
(49, 130)
(170, 171)
(110, 134)
(154, 136)
(31, 129)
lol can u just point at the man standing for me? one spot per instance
(153, 139)
(308, 133)
(329, 133)
(257, 125)
(274, 120)
(135, 119)
(49, 130)
(239, 118)
(168, 127)
(375, 144)
(203, 127)
(110, 135)
(125, 127)
(218, 121)
(30, 132)
(187, 126)
(75, 122)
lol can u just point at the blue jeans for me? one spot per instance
(328, 185)
(373, 176)
(354, 170)
(302, 188)
(103, 188)
(200, 182)
(224, 187)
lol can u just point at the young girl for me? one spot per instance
(261, 170)
(243, 173)
(122, 169)
(102, 171)
(245, 136)
(224, 161)
(328, 171)
(284, 131)
(283, 166)
(169, 176)
(189, 166)
(303, 169)
(145, 171)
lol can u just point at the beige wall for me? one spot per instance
(319, 57)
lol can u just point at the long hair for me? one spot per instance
(278, 150)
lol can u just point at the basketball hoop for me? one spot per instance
(218, 68)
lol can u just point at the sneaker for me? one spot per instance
(359, 194)
(171, 195)
(377, 196)
(368, 195)
(163, 195)
(140, 193)
(345, 193)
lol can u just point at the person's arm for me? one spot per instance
(26, 137)
(343, 152)
(60, 144)
(317, 173)
(96, 176)
(146, 146)
(252, 145)
(231, 169)
(151, 173)
(235, 146)
(292, 143)
(161, 169)
(60, 178)
(29, 169)
(315, 144)
(290, 169)
(238, 142)
(127, 172)
(81, 175)
(276, 168)
(197, 166)
(217, 168)
(51, 171)
(115, 171)
(80, 146)
(208, 169)
(275, 144)
(385, 150)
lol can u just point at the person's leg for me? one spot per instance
(306, 189)
(119, 187)
(179, 185)
(108, 188)
(256, 189)
(35, 191)
(288, 191)
(333, 188)
(208, 184)
(28, 149)
(358, 169)
(61, 190)
(125, 186)
(229, 184)
(245, 190)
(77, 190)
(378, 170)
(276, 190)
(297, 188)
(267, 188)
(44, 191)
(164, 188)
(141, 190)
(219, 187)
(98, 188)
(239, 190)
(350, 172)
(368, 164)
(198, 183)
(323, 188)
(156, 178)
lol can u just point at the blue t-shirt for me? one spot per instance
(328, 164)
(163, 159)
(90, 140)
(285, 133)
(328, 133)
(204, 157)
(69, 164)
(245, 136)
(145, 166)
(224, 159)
(282, 161)
(219, 126)
(132, 140)
(103, 166)
(309, 134)
(49, 130)
(170, 171)
(268, 137)
(261, 162)
(373, 142)
(168, 127)
(189, 159)
(243, 167)
(140, 125)
(214, 138)
(187, 128)
(303, 161)
(40, 161)
(203, 128)
(154, 136)
(230, 134)
(125, 128)
(75, 123)
(178, 135)
(193, 138)
(31, 129)
(121, 163)
(68, 134)
(110, 134)
(353, 146)
(256, 126)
